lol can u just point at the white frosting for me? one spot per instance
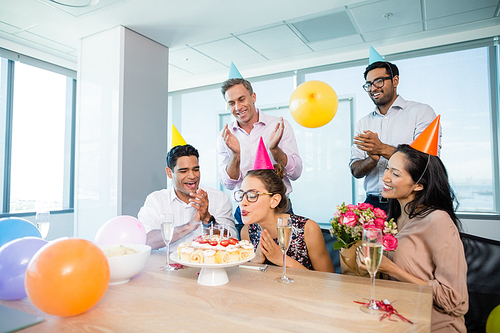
(208, 253)
(232, 248)
(187, 250)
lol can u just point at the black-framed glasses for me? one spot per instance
(252, 195)
(377, 83)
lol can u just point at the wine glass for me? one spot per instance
(43, 222)
(373, 251)
(167, 231)
(284, 237)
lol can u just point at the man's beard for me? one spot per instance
(386, 98)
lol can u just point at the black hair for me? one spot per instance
(391, 69)
(437, 194)
(179, 151)
(272, 179)
(228, 84)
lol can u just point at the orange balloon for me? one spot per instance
(67, 277)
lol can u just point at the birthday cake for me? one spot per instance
(214, 250)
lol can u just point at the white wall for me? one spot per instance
(121, 135)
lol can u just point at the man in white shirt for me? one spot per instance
(192, 206)
(393, 121)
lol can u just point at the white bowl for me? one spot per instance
(122, 268)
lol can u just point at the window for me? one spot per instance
(457, 81)
(37, 124)
(457, 86)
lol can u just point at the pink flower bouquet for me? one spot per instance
(349, 220)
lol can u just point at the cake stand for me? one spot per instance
(210, 274)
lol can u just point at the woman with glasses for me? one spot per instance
(262, 200)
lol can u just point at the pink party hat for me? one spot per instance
(262, 160)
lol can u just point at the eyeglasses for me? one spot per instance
(377, 83)
(252, 195)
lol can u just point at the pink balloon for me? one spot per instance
(122, 229)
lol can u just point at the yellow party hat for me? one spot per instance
(177, 139)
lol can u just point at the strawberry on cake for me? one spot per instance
(212, 249)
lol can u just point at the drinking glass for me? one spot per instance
(43, 222)
(167, 231)
(373, 251)
(284, 237)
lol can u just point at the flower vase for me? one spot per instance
(348, 263)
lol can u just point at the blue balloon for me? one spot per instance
(14, 227)
(14, 259)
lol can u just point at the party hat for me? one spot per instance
(234, 73)
(427, 141)
(177, 139)
(374, 56)
(262, 160)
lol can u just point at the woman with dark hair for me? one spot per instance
(263, 200)
(429, 250)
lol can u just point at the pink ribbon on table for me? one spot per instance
(388, 310)
(177, 266)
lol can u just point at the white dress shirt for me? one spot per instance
(402, 123)
(166, 202)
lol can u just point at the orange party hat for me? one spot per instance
(427, 141)
(262, 160)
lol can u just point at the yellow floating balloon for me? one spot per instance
(313, 104)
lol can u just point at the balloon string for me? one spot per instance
(388, 310)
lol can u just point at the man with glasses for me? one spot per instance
(191, 205)
(393, 121)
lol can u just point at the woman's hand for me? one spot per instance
(259, 256)
(384, 264)
(387, 266)
(270, 249)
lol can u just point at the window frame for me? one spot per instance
(6, 132)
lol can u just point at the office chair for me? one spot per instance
(334, 254)
(483, 279)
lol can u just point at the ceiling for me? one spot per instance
(260, 36)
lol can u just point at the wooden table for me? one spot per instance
(157, 301)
